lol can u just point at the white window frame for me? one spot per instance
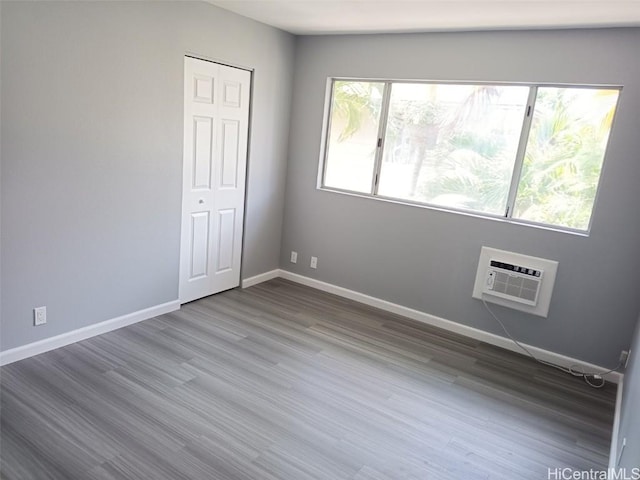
(517, 169)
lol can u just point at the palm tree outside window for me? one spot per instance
(532, 153)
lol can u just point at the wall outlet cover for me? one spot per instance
(624, 358)
(39, 316)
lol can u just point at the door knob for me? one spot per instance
(201, 201)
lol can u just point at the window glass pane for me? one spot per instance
(353, 135)
(452, 145)
(563, 159)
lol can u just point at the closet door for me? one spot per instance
(216, 126)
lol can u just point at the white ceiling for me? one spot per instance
(306, 17)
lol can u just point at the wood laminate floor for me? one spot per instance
(281, 381)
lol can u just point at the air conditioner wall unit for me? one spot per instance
(515, 280)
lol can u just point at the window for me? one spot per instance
(527, 152)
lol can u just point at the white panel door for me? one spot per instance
(216, 126)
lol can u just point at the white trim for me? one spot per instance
(613, 452)
(41, 346)
(450, 326)
(263, 277)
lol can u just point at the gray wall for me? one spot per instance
(426, 259)
(92, 108)
(0, 170)
(629, 413)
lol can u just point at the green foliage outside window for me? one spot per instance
(457, 146)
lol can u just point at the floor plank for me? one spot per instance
(281, 381)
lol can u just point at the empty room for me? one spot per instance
(320, 239)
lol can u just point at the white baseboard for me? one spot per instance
(47, 344)
(263, 277)
(613, 452)
(41, 346)
(451, 326)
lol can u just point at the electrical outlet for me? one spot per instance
(314, 262)
(39, 316)
(294, 257)
(624, 358)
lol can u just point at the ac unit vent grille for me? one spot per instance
(513, 282)
(513, 286)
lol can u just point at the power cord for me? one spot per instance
(570, 370)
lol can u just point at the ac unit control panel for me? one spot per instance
(516, 268)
